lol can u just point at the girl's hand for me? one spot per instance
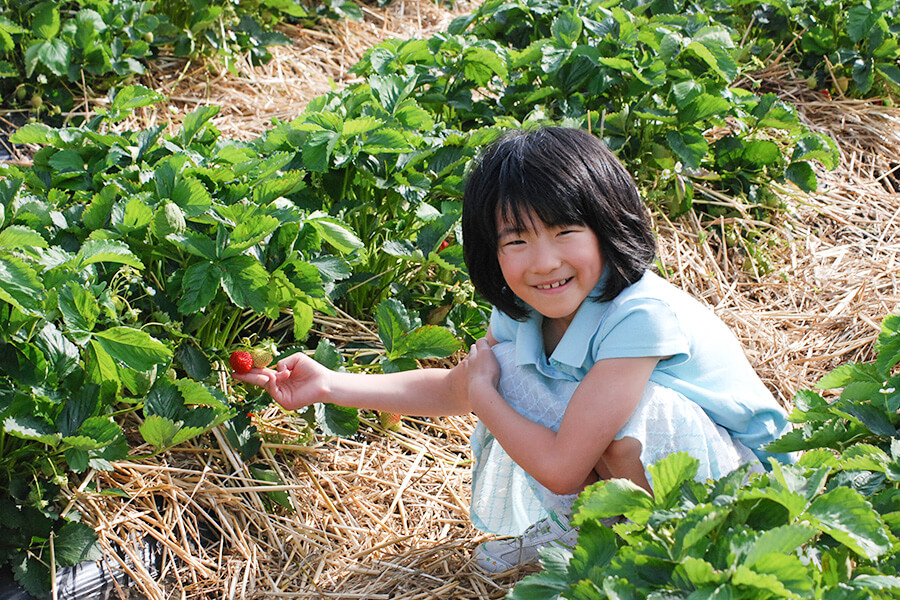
(482, 368)
(297, 381)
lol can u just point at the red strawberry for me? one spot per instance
(241, 361)
(444, 245)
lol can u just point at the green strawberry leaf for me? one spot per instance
(133, 347)
(390, 90)
(251, 231)
(67, 161)
(549, 583)
(689, 145)
(698, 573)
(53, 54)
(78, 407)
(199, 287)
(242, 435)
(195, 122)
(20, 285)
(336, 420)
(695, 529)
(596, 548)
(430, 341)
(779, 540)
(246, 282)
(21, 237)
(76, 543)
(567, 27)
(79, 309)
(99, 365)
(159, 431)
(195, 393)
(875, 582)
(194, 362)
(764, 584)
(393, 321)
(265, 473)
(35, 133)
(45, 22)
(669, 473)
(612, 498)
(318, 148)
(165, 400)
(32, 574)
(112, 251)
(28, 427)
(847, 517)
(131, 97)
(327, 355)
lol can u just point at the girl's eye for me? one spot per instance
(510, 242)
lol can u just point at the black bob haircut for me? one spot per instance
(561, 176)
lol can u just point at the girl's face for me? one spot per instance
(550, 268)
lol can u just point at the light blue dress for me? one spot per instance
(705, 399)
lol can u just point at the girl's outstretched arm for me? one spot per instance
(601, 405)
(298, 381)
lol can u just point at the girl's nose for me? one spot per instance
(544, 258)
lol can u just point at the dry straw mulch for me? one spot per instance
(384, 515)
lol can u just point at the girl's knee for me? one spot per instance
(622, 459)
(621, 451)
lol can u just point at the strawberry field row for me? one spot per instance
(133, 262)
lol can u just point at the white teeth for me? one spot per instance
(552, 285)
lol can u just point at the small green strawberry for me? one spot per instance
(241, 361)
(168, 218)
(390, 421)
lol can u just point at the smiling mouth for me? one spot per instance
(554, 285)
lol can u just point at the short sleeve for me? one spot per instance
(503, 327)
(641, 327)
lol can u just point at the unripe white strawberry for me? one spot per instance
(262, 357)
(169, 218)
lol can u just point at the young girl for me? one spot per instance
(593, 367)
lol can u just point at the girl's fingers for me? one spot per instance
(288, 363)
(257, 377)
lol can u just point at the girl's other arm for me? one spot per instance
(298, 381)
(561, 461)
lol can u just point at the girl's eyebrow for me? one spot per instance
(509, 230)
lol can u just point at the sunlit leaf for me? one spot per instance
(20, 285)
(133, 347)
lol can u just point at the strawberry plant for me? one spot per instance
(115, 319)
(132, 263)
(847, 46)
(652, 85)
(49, 49)
(796, 532)
(223, 28)
(864, 413)
(826, 527)
(406, 340)
(382, 164)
